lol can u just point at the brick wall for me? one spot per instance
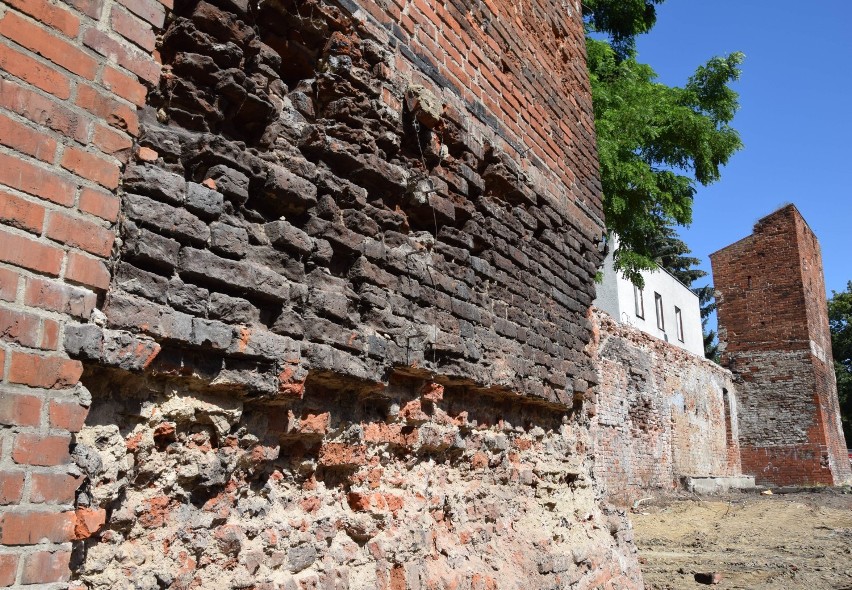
(773, 328)
(274, 257)
(660, 413)
(72, 75)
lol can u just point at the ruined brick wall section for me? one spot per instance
(773, 326)
(312, 206)
(72, 75)
(660, 413)
(532, 88)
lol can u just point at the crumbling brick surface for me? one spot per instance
(413, 486)
(307, 199)
(659, 413)
(261, 228)
(773, 329)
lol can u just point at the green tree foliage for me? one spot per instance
(655, 142)
(671, 253)
(621, 20)
(840, 322)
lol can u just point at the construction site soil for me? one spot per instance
(799, 539)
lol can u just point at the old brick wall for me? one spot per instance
(338, 334)
(773, 326)
(660, 413)
(72, 75)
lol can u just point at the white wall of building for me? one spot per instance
(617, 297)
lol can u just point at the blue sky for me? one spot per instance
(795, 117)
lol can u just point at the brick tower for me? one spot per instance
(773, 329)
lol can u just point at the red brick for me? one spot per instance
(20, 409)
(113, 143)
(45, 567)
(37, 370)
(41, 449)
(67, 415)
(56, 296)
(54, 16)
(36, 181)
(26, 140)
(101, 204)
(11, 487)
(51, 47)
(137, 62)
(79, 233)
(54, 488)
(88, 271)
(30, 254)
(127, 87)
(34, 72)
(49, 335)
(90, 8)
(8, 569)
(30, 527)
(146, 154)
(150, 10)
(115, 113)
(8, 283)
(91, 166)
(42, 110)
(133, 29)
(20, 213)
(88, 522)
(19, 327)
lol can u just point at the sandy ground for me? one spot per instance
(783, 541)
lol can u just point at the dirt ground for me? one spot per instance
(784, 541)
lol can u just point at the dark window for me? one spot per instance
(679, 323)
(658, 300)
(640, 302)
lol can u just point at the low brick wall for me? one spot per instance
(660, 413)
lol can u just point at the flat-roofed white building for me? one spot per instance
(664, 307)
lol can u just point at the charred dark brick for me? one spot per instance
(230, 182)
(187, 297)
(228, 240)
(148, 248)
(153, 181)
(173, 221)
(233, 310)
(139, 282)
(240, 276)
(204, 202)
(136, 314)
(287, 192)
(286, 236)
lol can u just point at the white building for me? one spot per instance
(665, 308)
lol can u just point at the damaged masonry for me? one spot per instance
(298, 294)
(341, 339)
